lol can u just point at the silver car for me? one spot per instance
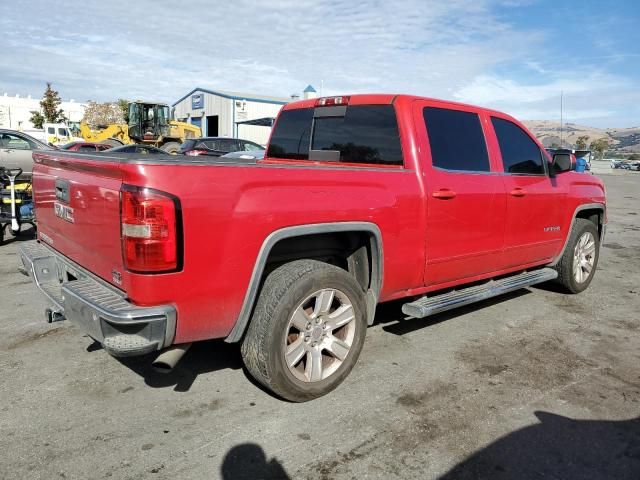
(16, 149)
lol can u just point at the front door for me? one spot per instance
(535, 201)
(465, 197)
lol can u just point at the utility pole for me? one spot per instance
(561, 142)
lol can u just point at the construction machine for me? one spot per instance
(149, 123)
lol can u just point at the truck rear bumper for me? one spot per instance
(99, 309)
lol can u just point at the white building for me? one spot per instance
(15, 111)
(229, 114)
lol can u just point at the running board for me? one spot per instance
(426, 306)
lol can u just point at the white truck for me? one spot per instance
(53, 134)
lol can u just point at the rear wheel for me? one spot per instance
(578, 264)
(171, 147)
(307, 330)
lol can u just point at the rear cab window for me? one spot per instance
(350, 134)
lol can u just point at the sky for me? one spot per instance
(511, 55)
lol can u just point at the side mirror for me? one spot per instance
(561, 163)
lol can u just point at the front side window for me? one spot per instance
(520, 154)
(456, 140)
(365, 134)
(15, 142)
(63, 132)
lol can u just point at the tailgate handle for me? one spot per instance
(62, 190)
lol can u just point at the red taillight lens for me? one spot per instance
(150, 230)
(330, 101)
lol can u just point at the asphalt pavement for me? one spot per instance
(534, 384)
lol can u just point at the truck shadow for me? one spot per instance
(558, 447)
(202, 358)
(394, 321)
(213, 355)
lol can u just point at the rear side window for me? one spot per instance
(456, 140)
(520, 154)
(86, 148)
(358, 134)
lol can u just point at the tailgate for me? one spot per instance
(77, 204)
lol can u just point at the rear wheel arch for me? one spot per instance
(365, 261)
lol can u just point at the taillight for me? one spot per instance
(330, 101)
(195, 153)
(150, 230)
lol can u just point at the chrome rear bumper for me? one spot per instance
(98, 308)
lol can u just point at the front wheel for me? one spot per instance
(307, 330)
(578, 264)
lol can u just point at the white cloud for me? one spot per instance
(439, 48)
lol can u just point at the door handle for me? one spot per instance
(518, 192)
(444, 194)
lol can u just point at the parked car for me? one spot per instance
(135, 148)
(615, 163)
(217, 146)
(359, 200)
(16, 149)
(635, 165)
(85, 147)
(246, 155)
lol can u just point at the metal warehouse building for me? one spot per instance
(229, 114)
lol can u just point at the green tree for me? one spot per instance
(634, 156)
(37, 119)
(581, 142)
(599, 146)
(49, 109)
(555, 145)
(124, 106)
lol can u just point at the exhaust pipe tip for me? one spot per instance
(168, 359)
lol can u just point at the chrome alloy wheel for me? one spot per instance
(320, 334)
(584, 256)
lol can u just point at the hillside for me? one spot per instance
(621, 140)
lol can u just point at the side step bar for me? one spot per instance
(425, 306)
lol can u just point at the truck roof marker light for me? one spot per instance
(331, 101)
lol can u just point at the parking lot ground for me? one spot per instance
(535, 384)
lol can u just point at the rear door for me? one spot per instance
(464, 195)
(535, 201)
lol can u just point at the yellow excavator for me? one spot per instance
(149, 123)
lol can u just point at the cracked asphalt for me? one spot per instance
(534, 384)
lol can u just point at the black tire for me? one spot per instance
(171, 148)
(265, 342)
(565, 267)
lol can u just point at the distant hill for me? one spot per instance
(621, 140)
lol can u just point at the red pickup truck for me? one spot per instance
(360, 199)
